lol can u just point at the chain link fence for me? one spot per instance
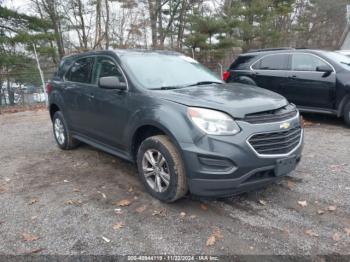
(23, 90)
(217, 60)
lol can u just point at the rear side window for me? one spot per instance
(242, 62)
(272, 62)
(81, 71)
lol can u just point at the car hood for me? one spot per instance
(235, 99)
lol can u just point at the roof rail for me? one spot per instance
(270, 49)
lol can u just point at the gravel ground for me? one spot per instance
(65, 202)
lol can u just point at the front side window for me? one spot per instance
(81, 71)
(107, 67)
(272, 62)
(306, 62)
(154, 71)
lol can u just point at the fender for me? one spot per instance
(167, 119)
(161, 127)
(342, 103)
(56, 98)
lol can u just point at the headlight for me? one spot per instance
(213, 122)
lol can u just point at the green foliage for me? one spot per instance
(18, 33)
(206, 32)
(19, 68)
(258, 22)
(14, 21)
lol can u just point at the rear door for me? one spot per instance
(270, 72)
(308, 87)
(78, 93)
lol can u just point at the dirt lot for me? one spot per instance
(55, 202)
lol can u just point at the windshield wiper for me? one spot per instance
(183, 86)
(167, 88)
(345, 63)
(205, 83)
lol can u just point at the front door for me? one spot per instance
(306, 86)
(109, 112)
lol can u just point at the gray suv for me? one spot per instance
(186, 130)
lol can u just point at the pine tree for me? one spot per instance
(259, 23)
(18, 34)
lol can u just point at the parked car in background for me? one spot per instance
(182, 125)
(315, 80)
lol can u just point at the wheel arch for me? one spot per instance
(145, 131)
(247, 80)
(53, 109)
(342, 104)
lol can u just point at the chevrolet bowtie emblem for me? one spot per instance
(285, 125)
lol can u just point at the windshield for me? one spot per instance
(338, 58)
(156, 71)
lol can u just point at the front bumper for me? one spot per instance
(228, 165)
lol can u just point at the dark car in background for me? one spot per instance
(184, 127)
(316, 81)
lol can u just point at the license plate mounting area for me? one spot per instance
(285, 165)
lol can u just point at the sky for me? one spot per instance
(20, 5)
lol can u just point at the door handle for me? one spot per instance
(292, 77)
(91, 96)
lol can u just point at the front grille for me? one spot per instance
(277, 115)
(276, 143)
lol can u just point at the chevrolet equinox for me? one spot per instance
(315, 80)
(186, 130)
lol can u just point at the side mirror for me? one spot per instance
(327, 70)
(111, 82)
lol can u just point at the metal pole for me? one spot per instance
(221, 70)
(41, 74)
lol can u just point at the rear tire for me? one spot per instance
(347, 114)
(247, 81)
(62, 135)
(161, 169)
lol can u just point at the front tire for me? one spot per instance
(347, 114)
(61, 132)
(161, 169)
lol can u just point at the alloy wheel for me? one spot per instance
(156, 170)
(59, 131)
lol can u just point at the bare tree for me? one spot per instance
(107, 24)
(98, 26)
(153, 6)
(50, 7)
